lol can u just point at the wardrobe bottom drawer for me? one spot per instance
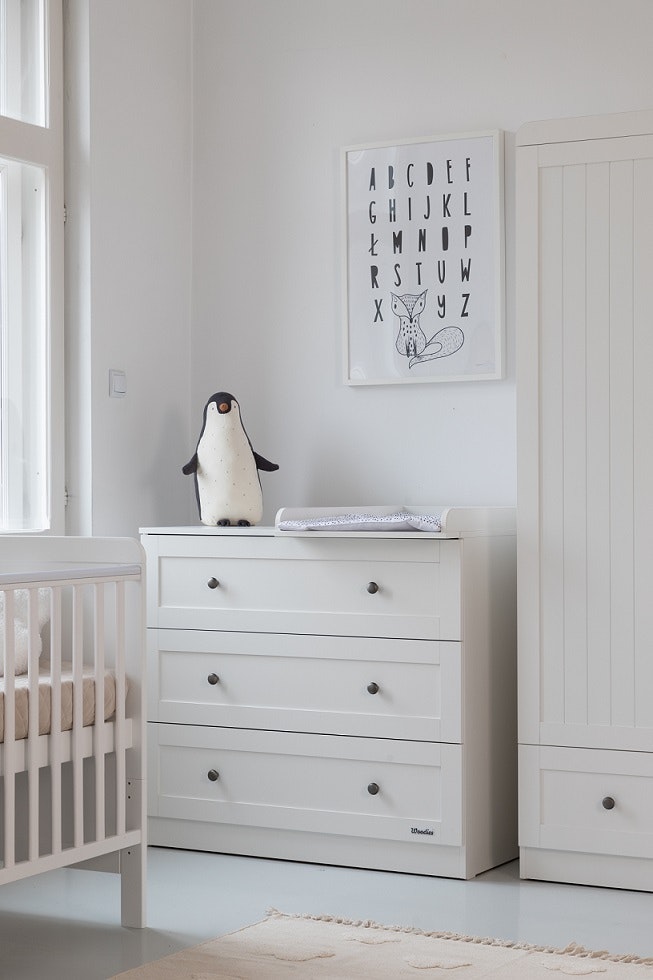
(377, 788)
(586, 800)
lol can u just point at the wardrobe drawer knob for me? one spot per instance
(373, 687)
(607, 803)
(372, 588)
(213, 678)
(213, 775)
(213, 583)
(373, 789)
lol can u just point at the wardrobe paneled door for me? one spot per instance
(585, 495)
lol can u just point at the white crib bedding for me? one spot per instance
(45, 700)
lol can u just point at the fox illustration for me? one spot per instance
(411, 340)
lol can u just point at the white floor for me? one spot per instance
(65, 925)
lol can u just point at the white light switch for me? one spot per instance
(117, 383)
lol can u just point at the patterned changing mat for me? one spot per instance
(399, 521)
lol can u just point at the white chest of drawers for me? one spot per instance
(343, 698)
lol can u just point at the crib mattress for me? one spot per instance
(45, 701)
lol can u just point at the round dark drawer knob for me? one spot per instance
(213, 775)
(213, 678)
(373, 789)
(213, 583)
(372, 588)
(607, 803)
(373, 688)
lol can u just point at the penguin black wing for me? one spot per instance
(264, 464)
(191, 465)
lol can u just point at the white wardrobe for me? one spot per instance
(585, 499)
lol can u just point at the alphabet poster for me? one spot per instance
(424, 260)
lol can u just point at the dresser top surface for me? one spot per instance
(267, 531)
(456, 522)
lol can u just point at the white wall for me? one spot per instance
(265, 93)
(279, 87)
(128, 248)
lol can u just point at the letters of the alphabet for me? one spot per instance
(412, 241)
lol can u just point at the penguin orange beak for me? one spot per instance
(223, 407)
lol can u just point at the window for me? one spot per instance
(31, 266)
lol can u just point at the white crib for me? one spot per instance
(72, 774)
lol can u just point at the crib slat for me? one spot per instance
(33, 648)
(99, 747)
(120, 742)
(9, 747)
(77, 760)
(55, 725)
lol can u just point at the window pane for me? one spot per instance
(23, 348)
(22, 60)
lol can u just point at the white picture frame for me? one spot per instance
(424, 260)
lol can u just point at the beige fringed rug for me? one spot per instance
(309, 947)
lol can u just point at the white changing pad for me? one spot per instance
(364, 520)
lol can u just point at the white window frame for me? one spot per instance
(42, 146)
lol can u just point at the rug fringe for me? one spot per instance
(572, 949)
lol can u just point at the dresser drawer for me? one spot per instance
(566, 796)
(352, 587)
(408, 689)
(317, 783)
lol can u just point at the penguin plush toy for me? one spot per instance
(225, 467)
